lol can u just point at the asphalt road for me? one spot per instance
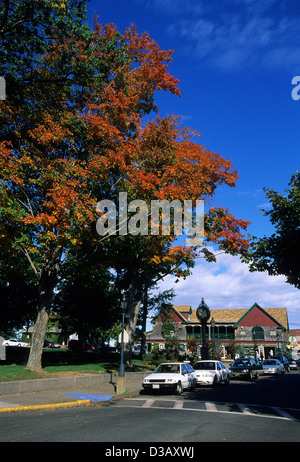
(266, 410)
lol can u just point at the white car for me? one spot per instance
(14, 342)
(211, 372)
(273, 366)
(174, 377)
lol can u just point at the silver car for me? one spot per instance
(273, 366)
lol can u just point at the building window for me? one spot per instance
(224, 333)
(258, 333)
(194, 331)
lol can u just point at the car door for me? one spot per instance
(192, 375)
(185, 376)
(220, 372)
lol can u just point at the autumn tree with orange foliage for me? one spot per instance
(73, 135)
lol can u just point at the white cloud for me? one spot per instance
(229, 284)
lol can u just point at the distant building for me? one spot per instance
(294, 341)
(237, 331)
(53, 334)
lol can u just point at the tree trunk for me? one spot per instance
(130, 330)
(34, 363)
(47, 284)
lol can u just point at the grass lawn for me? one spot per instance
(62, 363)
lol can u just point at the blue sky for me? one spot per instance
(235, 60)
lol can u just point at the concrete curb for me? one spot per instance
(38, 407)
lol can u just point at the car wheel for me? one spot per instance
(193, 386)
(227, 380)
(178, 390)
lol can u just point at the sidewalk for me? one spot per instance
(53, 393)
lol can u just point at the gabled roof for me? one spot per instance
(277, 313)
(179, 310)
(235, 315)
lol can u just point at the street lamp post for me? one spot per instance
(279, 338)
(123, 311)
(212, 325)
(254, 340)
(121, 375)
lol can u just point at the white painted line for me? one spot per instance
(245, 410)
(148, 403)
(210, 407)
(178, 405)
(3, 404)
(284, 414)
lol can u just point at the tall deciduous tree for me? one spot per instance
(67, 122)
(73, 135)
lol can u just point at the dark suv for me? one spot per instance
(283, 359)
(246, 368)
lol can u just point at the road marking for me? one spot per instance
(284, 414)
(211, 407)
(148, 403)
(178, 405)
(245, 410)
(38, 407)
(3, 404)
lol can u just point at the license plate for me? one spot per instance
(155, 386)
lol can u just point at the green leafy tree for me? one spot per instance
(279, 253)
(18, 295)
(87, 301)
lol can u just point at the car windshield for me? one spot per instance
(242, 362)
(208, 365)
(167, 368)
(269, 362)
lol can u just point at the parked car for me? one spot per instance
(273, 366)
(14, 342)
(211, 373)
(174, 377)
(246, 368)
(283, 359)
(294, 361)
(49, 344)
(136, 350)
